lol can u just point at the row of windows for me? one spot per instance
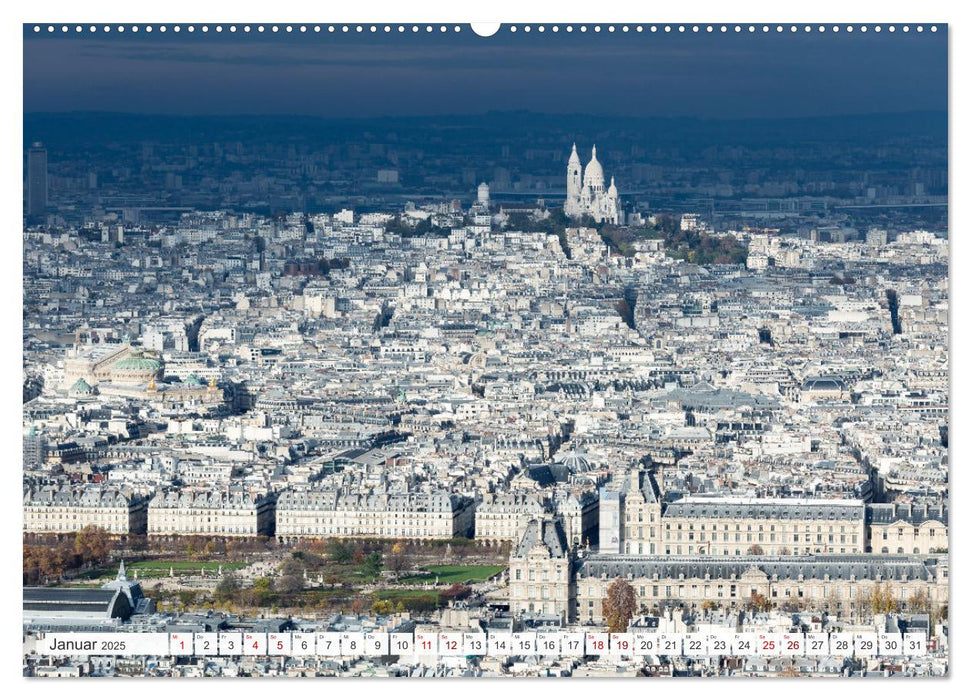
(235, 529)
(74, 510)
(544, 591)
(709, 591)
(900, 532)
(364, 519)
(64, 526)
(547, 608)
(785, 528)
(517, 576)
(389, 531)
(704, 549)
(194, 519)
(74, 516)
(748, 537)
(158, 511)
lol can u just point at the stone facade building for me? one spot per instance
(903, 528)
(114, 363)
(333, 513)
(841, 585)
(774, 526)
(70, 509)
(816, 576)
(635, 518)
(630, 515)
(211, 513)
(541, 571)
(579, 510)
(502, 517)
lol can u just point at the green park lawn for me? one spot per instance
(159, 568)
(453, 573)
(408, 597)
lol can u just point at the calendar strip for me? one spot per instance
(592, 643)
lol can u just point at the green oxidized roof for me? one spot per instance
(138, 363)
(81, 386)
(192, 380)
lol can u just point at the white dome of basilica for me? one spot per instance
(593, 175)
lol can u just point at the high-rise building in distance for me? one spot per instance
(36, 180)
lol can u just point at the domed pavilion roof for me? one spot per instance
(823, 384)
(81, 387)
(594, 172)
(137, 363)
(575, 461)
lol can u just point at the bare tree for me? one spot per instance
(919, 602)
(398, 559)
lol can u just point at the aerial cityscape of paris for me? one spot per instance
(591, 350)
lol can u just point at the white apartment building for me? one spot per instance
(502, 517)
(333, 513)
(70, 509)
(211, 513)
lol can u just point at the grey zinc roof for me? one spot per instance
(841, 567)
(332, 500)
(823, 384)
(82, 598)
(218, 500)
(87, 601)
(766, 509)
(704, 397)
(80, 496)
(646, 484)
(511, 503)
(888, 513)
(546, 532)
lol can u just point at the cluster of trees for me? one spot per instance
(692, 246)
(399, 554)
(321, 557)
(343, 552)
(882, 600)
(45, 563)
(457, 591)
(386, 607)
(759, 603)
(422, 227)
(703, 249)
(264, 592)
(920, 602)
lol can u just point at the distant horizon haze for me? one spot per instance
(731, 75)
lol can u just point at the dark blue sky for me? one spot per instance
(337, 75)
